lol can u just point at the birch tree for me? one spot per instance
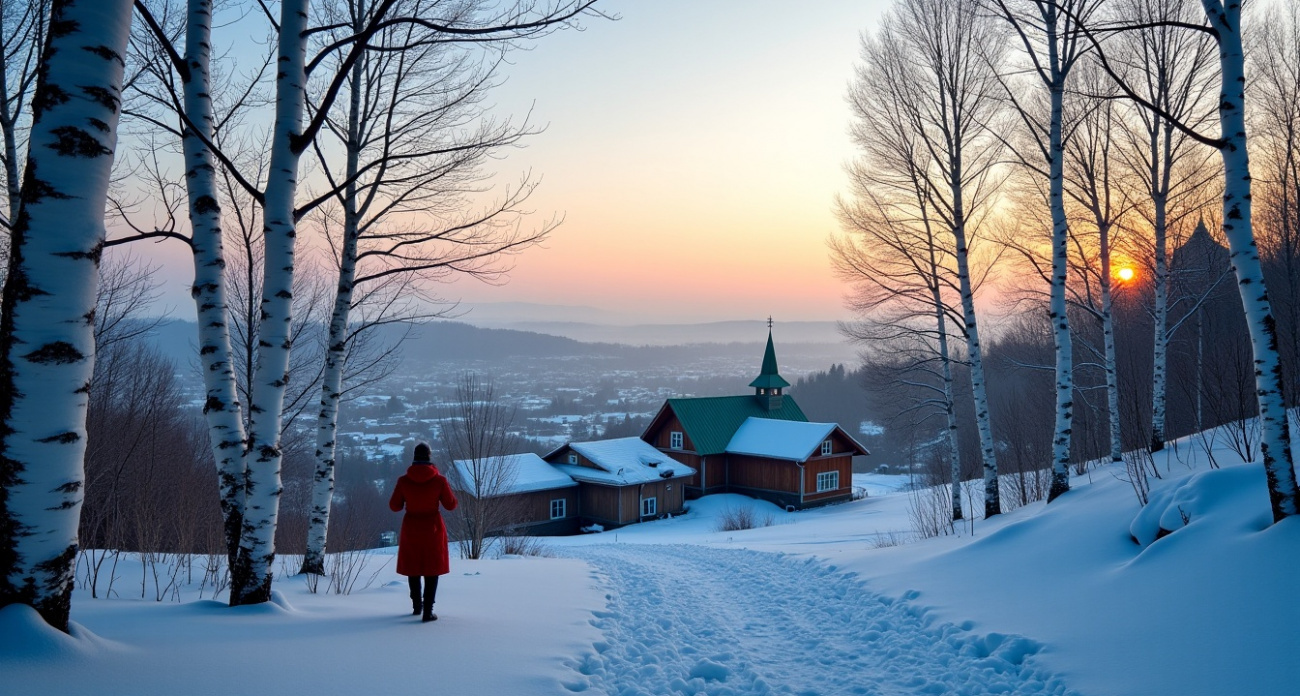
(1223, 23)
(291, 137)
(401, 201)
(47, 319)
(892, 252)
(1054, 43)
(950, 102)
(1091, 180)
(1172, 69)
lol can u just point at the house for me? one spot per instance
(622, 481)
(779, 455)
(529, 496)
(791, 463)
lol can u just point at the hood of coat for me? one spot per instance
(420, 473)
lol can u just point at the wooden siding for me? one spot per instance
(842, 463)
(601, 504)
(761, 473)
(689, 459)
(598, 503)
(661, 435)
(536, 506)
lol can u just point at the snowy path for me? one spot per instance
(695, 620)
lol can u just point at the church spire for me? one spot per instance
(769, 383)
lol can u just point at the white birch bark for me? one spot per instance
(1060, 265)
(1275, 441)
(983, 421)
(251, 575)
(950, 413)
(1160, 351)
(336, 347)
(1108, 341)
(221, 407)
(47, 329)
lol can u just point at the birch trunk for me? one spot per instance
(221, 406)
(336, 348)
(1275, 441)
(1160, 352)
(251, 574)
(1060, 270)
(950, 412)
(983, 422)
(954, 450)
(1108, 340)
(47, 350)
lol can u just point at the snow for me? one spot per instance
(779, 439)
(531, 473)
(836, 600)
(623, 461)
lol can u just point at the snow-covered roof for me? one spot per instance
(530, 473)
(779, 439)
(623, 461)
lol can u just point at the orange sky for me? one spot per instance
(694, 147)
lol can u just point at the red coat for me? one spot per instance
(422, 546)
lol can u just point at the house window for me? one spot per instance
(675, 439)
(573, 458)
(826, 448)
(559, 508)
(828, 481)
(649, 507)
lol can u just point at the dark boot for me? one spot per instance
(414, 583)
(430, 592)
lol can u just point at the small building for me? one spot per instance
(701, 433)
(529, 496)
(793, 464)
(623, 480)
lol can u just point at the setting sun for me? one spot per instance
(1125, 274)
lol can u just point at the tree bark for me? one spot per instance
(1060, 269)
(221, 406)
(336, 346)
(47, 324)
(1275, 441)
(251, 574)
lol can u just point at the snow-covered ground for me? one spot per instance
(1047, 599)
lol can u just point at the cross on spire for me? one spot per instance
(769, 322)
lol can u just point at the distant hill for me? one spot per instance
(456, 341)
(672, 334)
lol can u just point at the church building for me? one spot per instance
(760, 445)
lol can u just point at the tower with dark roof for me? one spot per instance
(769, 384)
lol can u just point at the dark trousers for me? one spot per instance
(430, 590)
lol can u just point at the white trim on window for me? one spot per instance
(649, 507)
(573, 457)
(826, 447)
(559, 508)
(828, 481)
(676, 440)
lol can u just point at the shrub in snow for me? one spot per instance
(743, 517)
(524, 546)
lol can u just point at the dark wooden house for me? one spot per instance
(622, 481)
(533, 497)
(799, 464)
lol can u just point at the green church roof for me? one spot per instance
(769, 377)
(711, 421)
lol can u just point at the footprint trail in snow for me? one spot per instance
(728, 622)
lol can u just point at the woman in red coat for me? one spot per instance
(422, 546)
